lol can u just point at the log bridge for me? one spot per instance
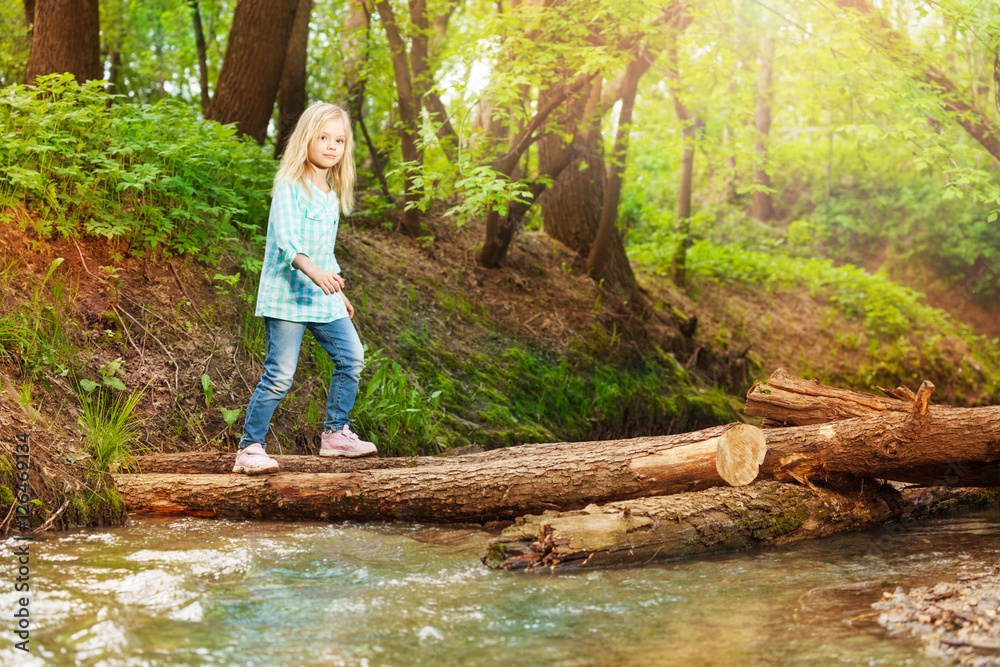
(817, 466)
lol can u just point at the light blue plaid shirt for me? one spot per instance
(307, 225)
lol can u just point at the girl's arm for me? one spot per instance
(328, 281)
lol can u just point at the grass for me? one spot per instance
(112, 427)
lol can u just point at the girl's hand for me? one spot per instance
(350, 308)
(328, 281)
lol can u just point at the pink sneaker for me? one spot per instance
(253, 461)
(345, 443)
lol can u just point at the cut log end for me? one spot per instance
(740, 452)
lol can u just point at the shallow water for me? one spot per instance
(187, 591)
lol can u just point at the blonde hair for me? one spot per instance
(295, 164)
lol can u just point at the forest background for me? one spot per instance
(576, 219)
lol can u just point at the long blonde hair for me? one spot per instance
(295, 162)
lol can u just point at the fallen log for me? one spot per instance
(789, 400)
(636, 532)
(496, 485)
(950, 445)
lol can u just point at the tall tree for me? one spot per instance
(599, 261)
(66, 38)
(199, 42)
(252, 67)
(292, 90)
(354, 45)
(762, 206)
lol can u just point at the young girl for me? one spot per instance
(301, 287)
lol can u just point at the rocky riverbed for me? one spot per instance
(957, 620)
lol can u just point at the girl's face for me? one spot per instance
(328, 149)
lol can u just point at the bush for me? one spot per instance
(147, 176)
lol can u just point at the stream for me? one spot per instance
(168, 590)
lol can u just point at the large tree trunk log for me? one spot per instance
(292, 89)
(514, 481)
(945, 445)
(252, 66)
(635, 532)
(66, 38)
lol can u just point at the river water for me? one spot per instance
(187, 591)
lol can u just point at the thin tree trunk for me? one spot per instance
(762, 203)
(66, 38)
(408, 101)
(199, 40)
(292, 90)
(29, 12)
(251, 69)
(354, 45)
(691, 128)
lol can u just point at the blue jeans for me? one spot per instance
(340, 340)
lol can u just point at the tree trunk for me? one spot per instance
(66, 38)
(690, 128)
(199, 40)
(788, 400)
(599, 259)
(29, 12)
(636, 532)
(572, 207)
(943, 445)
(496, 485)
(408, 99)
(689, 136)
(762, 203)
(252, 66)
(895, 46)
(292, 90)
(354, 41)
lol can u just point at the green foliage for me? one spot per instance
(109, 377)
(145, 176)
(207, 388)
(395, 412)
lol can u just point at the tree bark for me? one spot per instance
(29, 12)
(636, 532)
(599, 260)
(292, 89)
(199, 40)
(572, 207)
(66, 38)
(895, 46)
(251, 69)
(762, 203)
